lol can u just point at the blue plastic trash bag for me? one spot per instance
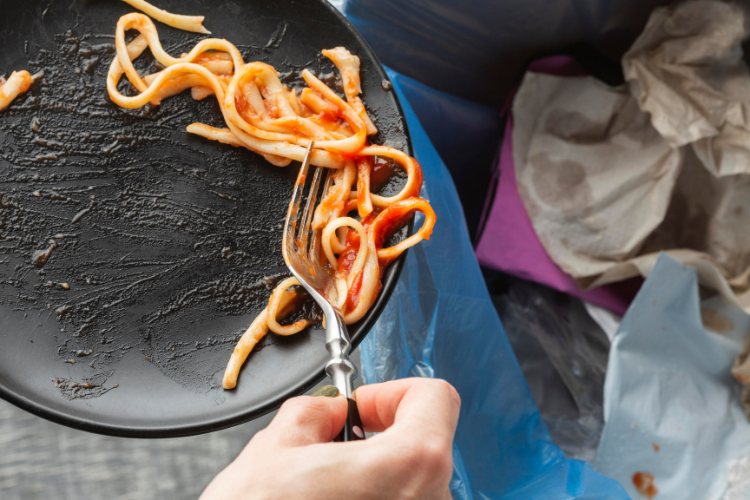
(477, 49)
(440, 322)
(465, 135)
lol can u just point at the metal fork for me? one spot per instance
(302, 255)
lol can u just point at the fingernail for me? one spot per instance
(328, 391)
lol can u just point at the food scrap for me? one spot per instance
(644, 483)
(18, 83)
(40, 257)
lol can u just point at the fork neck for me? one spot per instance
(340, 369)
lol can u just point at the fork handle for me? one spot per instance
(342, 371)
(339, 368)
(353, 429)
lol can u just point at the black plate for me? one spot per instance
(180, 245)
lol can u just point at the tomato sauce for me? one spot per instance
(382, 169)
(352, 298)
(243, 107)
(347, 258)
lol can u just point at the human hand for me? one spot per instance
(295, 458)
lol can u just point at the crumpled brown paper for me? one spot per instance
(612, 176)
(686, 70)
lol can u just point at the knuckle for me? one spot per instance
(290, 406)
(301, 409)
(444, 389)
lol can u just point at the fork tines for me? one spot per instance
(296, 230)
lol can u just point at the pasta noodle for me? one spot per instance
(187, 23)
(18, 83)
(264, 116)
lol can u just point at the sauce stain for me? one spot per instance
(644, 483)
(715, 321)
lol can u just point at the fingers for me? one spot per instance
(307, 420)
(419, 418)
(418, 405)
(413, 402)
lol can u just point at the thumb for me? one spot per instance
(306, 420)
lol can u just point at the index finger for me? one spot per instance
(421, 402)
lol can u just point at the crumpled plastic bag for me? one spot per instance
(671, 407)
(563, 354)
(606, 192)
(440, 322)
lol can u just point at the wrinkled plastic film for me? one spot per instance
(440, 322)
(476, 49)
(563, 356)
